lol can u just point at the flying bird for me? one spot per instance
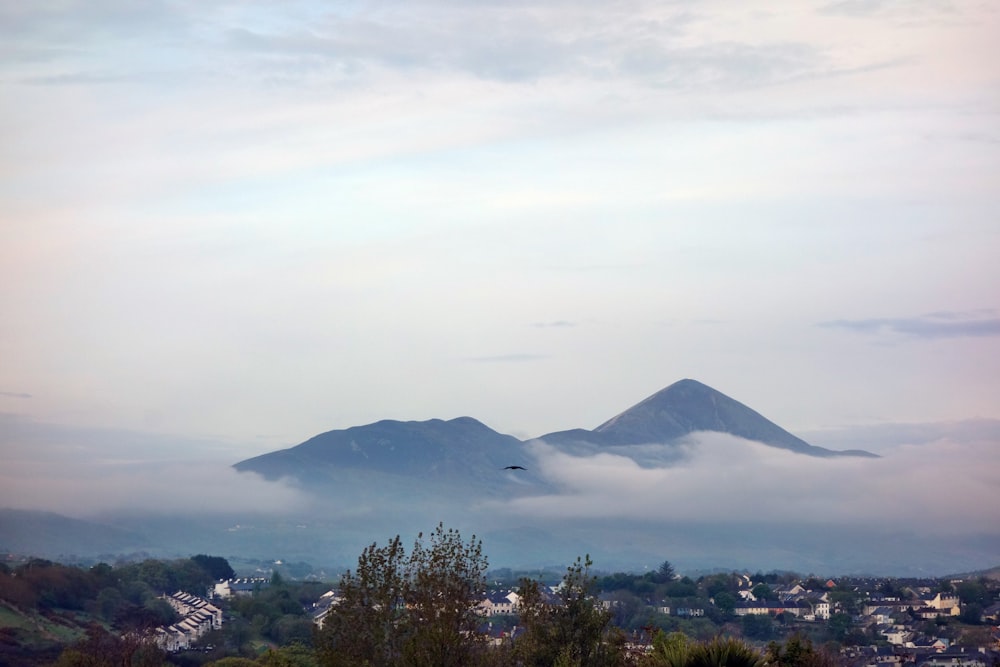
(514, 468)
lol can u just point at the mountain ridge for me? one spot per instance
(685, 407)
(466, 453)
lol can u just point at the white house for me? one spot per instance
(502, 603)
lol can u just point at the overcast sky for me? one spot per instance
(250, 222)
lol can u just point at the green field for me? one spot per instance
(37, 630)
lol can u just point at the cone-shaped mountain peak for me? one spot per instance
(683, 407)
(688, 406)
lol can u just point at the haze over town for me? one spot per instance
(227, 227)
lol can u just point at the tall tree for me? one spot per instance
(217, 566)
(364, 627)
(445, 578)
(573, 630)
(416, 610)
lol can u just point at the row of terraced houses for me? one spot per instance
(198, 616)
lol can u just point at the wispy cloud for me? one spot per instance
(15, 394)
(883, 437)
(527, 46)
(910, 8)
(930, 326)
(556, 324)
(662, 46)
(509, 358)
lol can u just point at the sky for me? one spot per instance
(245, 223)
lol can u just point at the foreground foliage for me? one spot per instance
(416, 609)
(676, 650)
(572, 630)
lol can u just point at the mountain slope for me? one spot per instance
(461, 452)
(461, 459)
(53, 535)
(685, 407)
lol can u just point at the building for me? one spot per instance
(198, 617)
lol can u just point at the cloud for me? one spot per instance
(937, 325)
(556, 324)
(90, 488)
(85, 472)
(506, 358)
(663, 46)
(49, 31)
(909, 8)
(93, 78)
(946, 487)
(590, 43)
(880, 437)
(15, 394)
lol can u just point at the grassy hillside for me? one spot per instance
(33, 638)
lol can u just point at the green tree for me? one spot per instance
(362, 628)
(846, 599)
(681, 588)
(758, 626)
(109, 601)
(838, 626)
(798, 651)
(216, 566)
(714, 584)
(416, 610)
(972, 614)
(292, 655)
(157, 575)
(972, 592)
(444, 579)
(666, 572)
(572, 630)
(725, 601)
(627, 610)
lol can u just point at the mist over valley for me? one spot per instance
(683, 479)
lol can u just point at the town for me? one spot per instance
(179, 610)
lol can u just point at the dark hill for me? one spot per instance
(686, 407)
(462, 452)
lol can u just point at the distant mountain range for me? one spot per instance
(463, 452)
(571, 495)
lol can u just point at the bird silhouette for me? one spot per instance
(514, 468)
